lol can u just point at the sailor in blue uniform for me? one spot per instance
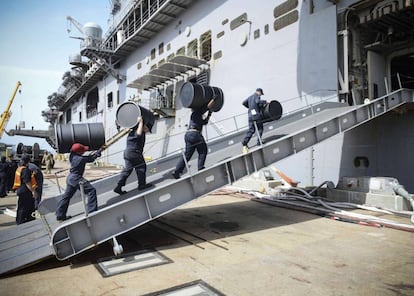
(78, 162)
(4, 169)
(194, 139)
(133, 156)
(255, 104)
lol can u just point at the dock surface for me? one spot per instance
(266, 251)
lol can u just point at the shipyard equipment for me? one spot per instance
(5, 116)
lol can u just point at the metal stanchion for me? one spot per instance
(82, 191)
(258, 134)
(57, 183)
(185, 161)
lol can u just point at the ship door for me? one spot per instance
(376, 75)
(402, 71)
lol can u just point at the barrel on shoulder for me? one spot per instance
(88, 134)
(128, 112)
(195, 96)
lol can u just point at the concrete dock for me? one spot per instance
(237, 247)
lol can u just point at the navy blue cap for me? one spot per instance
(259, 89)
(26, 158)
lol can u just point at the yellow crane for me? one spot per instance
(5, 116)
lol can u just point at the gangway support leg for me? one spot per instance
(117, 248)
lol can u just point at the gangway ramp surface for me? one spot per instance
(225, 164)
(23, 245)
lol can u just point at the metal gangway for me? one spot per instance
(34, 241)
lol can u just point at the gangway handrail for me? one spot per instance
(234, 118)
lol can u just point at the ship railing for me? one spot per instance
(233, 124)
(135, 25)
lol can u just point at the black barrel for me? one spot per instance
(19, 149)
(22, 149)
(148, 117)
(128, 112)
(36, 151)
(195, 96)
(88, 134)
(219, 99)
(272, 111)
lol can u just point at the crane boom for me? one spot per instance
(75, 23)
(5, 116)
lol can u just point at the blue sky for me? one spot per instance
(35, 49)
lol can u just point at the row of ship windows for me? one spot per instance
(92, 105)
(285, 14)
(193, 49)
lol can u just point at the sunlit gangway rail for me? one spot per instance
(120, 214)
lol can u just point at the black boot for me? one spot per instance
(118, 189)
(175, 174)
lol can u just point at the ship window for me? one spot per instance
(68, 115)
(92, 103)
(139, 66)
(266, 29)
(238, 21)
(218, 55)
(110, 101)
(220, 34)
(286, 20)
(205, 46)
(225, 21)
(168, 46)
(80, 116)
(161, 48)
(117, 97)
(192, 48)
(161, 62)
(170, 57)
(285, 7)
(181, 51)
(152, 53)
(154, 67)
(256, 33)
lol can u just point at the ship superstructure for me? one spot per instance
(299, 52)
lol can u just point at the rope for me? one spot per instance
(317, 205)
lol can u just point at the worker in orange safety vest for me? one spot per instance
(25, 184)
